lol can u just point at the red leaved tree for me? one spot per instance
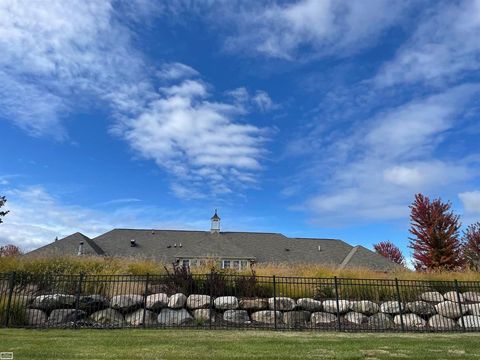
(10, 250)
(471, 250)
(390, 251)
(435, 241)
(3, 200)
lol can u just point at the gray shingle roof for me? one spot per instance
(168, 245)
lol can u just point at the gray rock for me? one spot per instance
(472, 296)
(472, 309)
(450, 309)
(380, 321)
(282, 303)
(59, 316)
(198, 301)
(177, 301)
(267, 317)
(253, 304)
(204, 315)
(126, 303)
(441, 322)
(453, 296)
(356, 317)
(319, 318)
(35, 317)
(54, 301)
(296, 318)
(107, 316)
(410, 320)
(392, 307)
(422, 308)
(136, 318)
(157, 301)
(91, 303)
(432, 296)
(366, 307)
(331, 306)
(470, 321)
(226, 303)
(236, 316)
(174, 317)
(309, 304)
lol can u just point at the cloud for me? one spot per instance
(470, 201)
(373, 173)
(283, 30)
(175, 71)
(443, 48)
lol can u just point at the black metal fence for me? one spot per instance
(220, 301)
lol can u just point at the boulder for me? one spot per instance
(136, 318)
(472, 296)
(318, 318)
(450, 309)
(226, 303)
(177, 301)
(107, 316)
(156, 302)
(421, 308)
(366, 307)
(35, 317)
(472, 309)
(410, 320)
(453, 296)
(253, 304)
(126, 303)
(432, 296)
(204, 314)
(392, 307)
(380, 321)
(331, 306)
(174, 317)
(92, 303)
(296, 318)
(440, 322)
(198, 301)
(54, 301)
(281, 303)
(470, 321)
(267, 317)
(309, 304)
(236, 316)
(59, 316)
(356, 317)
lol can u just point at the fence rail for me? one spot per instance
(222, 301)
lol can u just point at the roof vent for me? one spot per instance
(319, 248)
(169, 246)
(56, 238)
(287, 249)
(153, 232)
(133, 243)
(174, 245)
(180, 245)
(80, 249)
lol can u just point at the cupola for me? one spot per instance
(215, 228)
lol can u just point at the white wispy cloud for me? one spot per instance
(442, 49)
(58, 57)
(373, 173)
(470, 201)
(281, 30)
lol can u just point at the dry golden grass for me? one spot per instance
(100, 266)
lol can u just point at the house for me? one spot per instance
(237, 250)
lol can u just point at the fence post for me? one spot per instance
(338, 304)
(9, 300)
(400, 307)
(145, 292)
(275, 301)
(77, 298)
(210, 305)
(457, 290)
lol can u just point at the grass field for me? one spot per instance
(191, 344)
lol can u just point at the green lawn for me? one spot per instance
(195, 344)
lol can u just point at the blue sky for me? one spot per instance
(310, 118)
